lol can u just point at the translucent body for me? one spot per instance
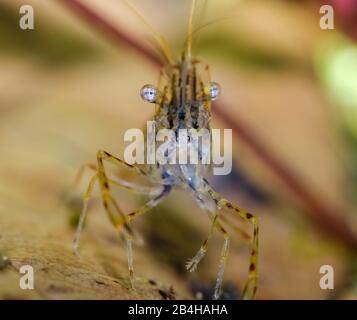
(183, 101)
(184, 104)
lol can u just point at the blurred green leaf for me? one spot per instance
(47, 43)
(238, 50)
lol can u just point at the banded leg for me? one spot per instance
(222, 263)
(192, 263)
(106, 194)
(242, 234)
(120, 183)
(79, 175)
(116, 181)
(250, 287)
(109, 203)
(86, 198)
(149, 205)
(111, 207)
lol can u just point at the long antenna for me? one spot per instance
(200, 20)
(190, 29)
(159, 39)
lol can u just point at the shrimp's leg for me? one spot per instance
(111, 206)
(116, 181)
(125, 219)
(250, 287)
(87, 195)
(222, 262)
(149, 205)
(192, 263)
(242, 234)
(79, 175)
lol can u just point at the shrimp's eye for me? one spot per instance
(214, 91)
(149, 93)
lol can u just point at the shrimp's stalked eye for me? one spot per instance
(149, 93)
(213, 91)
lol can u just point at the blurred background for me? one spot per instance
(68, 90)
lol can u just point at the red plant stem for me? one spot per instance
(324, 217)
(117, 34)
(321, 214)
